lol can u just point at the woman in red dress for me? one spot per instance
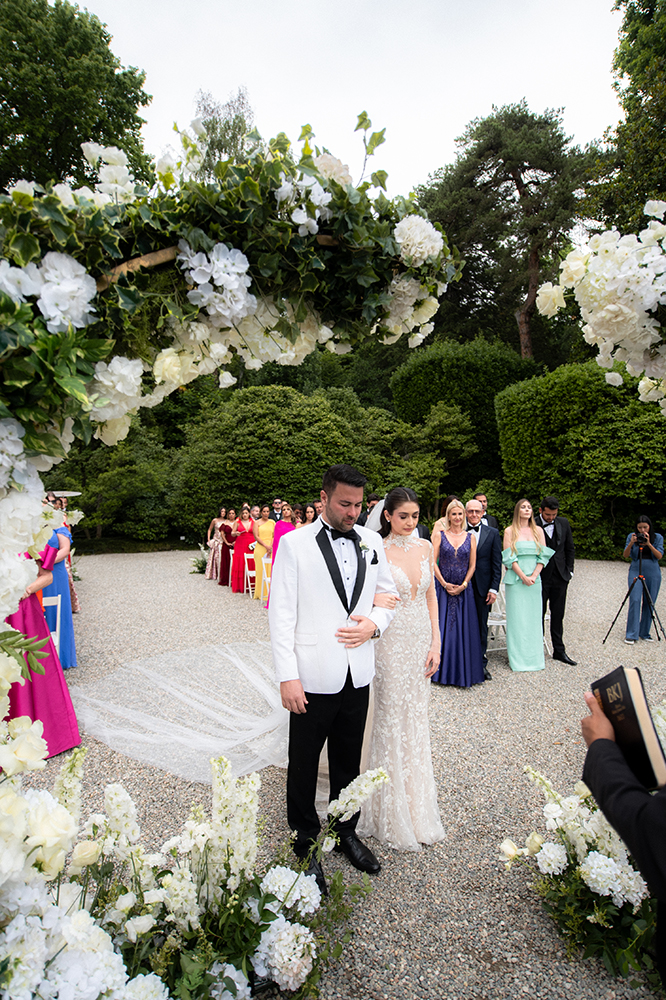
(245, 539)
(228, 537)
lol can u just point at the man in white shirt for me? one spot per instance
(322, 621)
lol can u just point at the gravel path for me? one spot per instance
(449, 921)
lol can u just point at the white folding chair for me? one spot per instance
(266, 577)
(54, 602)
(250, 575)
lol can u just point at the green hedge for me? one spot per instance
(467, 375)
(596, 447)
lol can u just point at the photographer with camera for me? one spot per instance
(645, 548)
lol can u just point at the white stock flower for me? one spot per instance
(552, 859)
(355, 794)
(418, 240)
(333, 169)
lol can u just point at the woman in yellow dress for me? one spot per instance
(263, 533)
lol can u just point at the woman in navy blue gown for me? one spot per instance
(461, 662)
(61, 540)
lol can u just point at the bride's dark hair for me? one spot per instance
(396, 498)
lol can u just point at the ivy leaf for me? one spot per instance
(42, 444)
(73, 386)
(379, 178)
(129, 298)
(376, 139)
(22, 247)
(363, 122)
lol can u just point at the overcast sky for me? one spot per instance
(422, 69)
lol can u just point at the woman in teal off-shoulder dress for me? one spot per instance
(525, 554)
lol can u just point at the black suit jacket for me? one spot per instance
(562, 563)
(492, 521)
(488, 572)
(423, 531)
(638, 816)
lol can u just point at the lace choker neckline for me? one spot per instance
(402, 541)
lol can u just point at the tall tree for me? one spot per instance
(508, 203)
(634, 168)
(227, 126)
(60, 85)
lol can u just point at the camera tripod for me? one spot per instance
(646, 597)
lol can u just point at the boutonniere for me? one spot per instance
(363, 548)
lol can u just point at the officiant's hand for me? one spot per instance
(293, 697)
(356, 635)
(596, 726)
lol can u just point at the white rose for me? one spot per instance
(534, 843)
(139, 925)
(27, 750)
(510, 850)
(114, 156)
(167, 367)
(92, 152)
(614, 378)
(85, 853)
(125, 902)
(550, 299)
(655, 208)
(114, 431)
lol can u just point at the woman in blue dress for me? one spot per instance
(525, 555)
(461, 662)
(639, 621)
(61, 540)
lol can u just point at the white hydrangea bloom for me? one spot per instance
(145, 987)
(66, 292)
(294, 889)
(222, 283)
(333, 169)
(285, 953)
(218, 990)
(418, 240)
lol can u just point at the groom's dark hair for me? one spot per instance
(346, 474)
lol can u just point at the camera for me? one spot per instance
(642, 539)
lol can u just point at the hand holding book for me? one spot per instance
(596, 726)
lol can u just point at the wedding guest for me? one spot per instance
(61, 504)
(215, 545)
(488, 571)
(557, 575)
(525, 554)
(439, 524)
(286, 524)
(372, 501)
(486, 518)
(318, 506)
(61, 541)
(244, 539)
(461, 662)
(276, 509)
(44, 697)
(227, 539)
(255, 512)
(651, 543)
(299, 514)
(638, 816)
(310, 513)
(263, 529)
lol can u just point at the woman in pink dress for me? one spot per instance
(44, 697)
(215, 545)
(286, 523)
(245, 539)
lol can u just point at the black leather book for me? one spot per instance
(622, 698)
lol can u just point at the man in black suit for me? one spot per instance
(556, 575)
(638, 816)
(488, 572)
(276, 510)
(486, 518)
(371, 502)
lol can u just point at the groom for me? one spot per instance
(322, 623)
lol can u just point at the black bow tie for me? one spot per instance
(352, 535)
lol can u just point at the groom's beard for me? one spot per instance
(340, 524)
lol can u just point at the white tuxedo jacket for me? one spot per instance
(306, 609)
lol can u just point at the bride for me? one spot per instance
(404, 813)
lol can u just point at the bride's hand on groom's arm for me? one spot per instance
(293, 697)
(356, 635)
(385, 600)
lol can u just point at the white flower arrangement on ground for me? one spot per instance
(589, 886)
(195, 917)
(618, 282)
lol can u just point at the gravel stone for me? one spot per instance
(449, 921)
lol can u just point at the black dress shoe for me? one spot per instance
(314, 868)
(358, 854)
(486, 673)
(563, 658)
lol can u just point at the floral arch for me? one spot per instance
(112, 298)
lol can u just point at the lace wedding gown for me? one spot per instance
(404, 813)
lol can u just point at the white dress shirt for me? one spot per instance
(346, 555)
